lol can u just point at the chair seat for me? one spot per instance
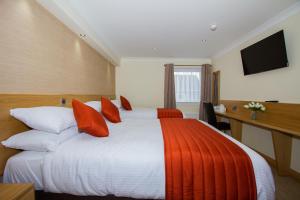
(223, 126)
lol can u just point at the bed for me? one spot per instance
(139, 112)
(149, 113)
(143, 113)
(131, 162)
(131, 159)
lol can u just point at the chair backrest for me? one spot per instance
(211, 115)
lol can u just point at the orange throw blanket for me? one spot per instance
(168, 113)
(202, 164)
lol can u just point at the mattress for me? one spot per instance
(25, 167)
(128, 163)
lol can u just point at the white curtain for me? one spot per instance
(187, 85)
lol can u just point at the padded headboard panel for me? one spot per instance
(10, 126)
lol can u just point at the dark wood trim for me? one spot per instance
(41, 195)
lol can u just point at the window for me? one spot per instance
(187, 84)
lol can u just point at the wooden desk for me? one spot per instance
(16, 191)
(282, 134)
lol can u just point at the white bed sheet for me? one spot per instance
(130, 163)
(25, 167)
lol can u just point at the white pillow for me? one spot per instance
(35, 140)
(94, 104)
(97, 104)
(46, 118)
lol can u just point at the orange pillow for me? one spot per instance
(125, 103)
(109, 110)
(89, 120)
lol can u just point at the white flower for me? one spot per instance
(258, 105)
(255, 106)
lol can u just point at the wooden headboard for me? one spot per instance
(10, 126)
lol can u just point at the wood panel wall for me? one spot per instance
(40, 55)
(285, 115)
(282, 117)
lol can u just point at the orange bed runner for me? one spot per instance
(168, 113)
(202, 164)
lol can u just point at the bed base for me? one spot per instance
(41, 195)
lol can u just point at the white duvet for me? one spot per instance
(139, 113)
(128, 163)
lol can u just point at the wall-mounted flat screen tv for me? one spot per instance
(265, 55)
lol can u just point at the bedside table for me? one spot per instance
(16, 191)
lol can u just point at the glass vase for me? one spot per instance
(253, 115)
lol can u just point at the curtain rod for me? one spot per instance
(186, 65)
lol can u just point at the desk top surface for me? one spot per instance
(291, 127)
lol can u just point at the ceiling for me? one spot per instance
(172, 28)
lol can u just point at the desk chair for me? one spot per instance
(212, 119)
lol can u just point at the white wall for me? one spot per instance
(142, 81)
(282, 84)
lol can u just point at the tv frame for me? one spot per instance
(269, 69)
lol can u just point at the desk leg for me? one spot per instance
(282, 147)
(236, 129)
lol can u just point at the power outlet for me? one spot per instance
(234, 108)
(63, 101)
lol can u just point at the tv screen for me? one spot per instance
(265, 55)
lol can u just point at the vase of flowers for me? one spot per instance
(255, 107)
